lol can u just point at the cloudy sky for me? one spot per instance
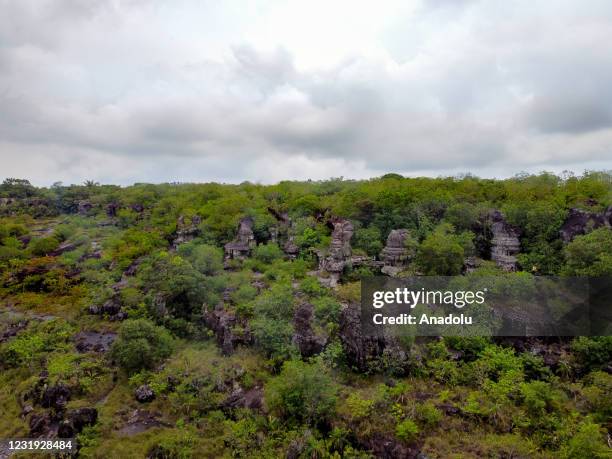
(145, 90)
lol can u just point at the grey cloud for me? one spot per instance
(529, 94)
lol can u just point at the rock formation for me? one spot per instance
(186, 232)
(291, 249)
(240, 398)
(225, 325)
(282, 233)
(75, 420)
(580, 222)
(339, 253)
(111, 209)
(138, 208)
(361, 350)
(144, 394)
(55, 397)
(84, 207)
(91, 341)
(240, 248)
(113, 307)
(470, 264)
(505, 244)
(304, 337)
(395, 255)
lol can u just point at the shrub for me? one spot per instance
(598, 394)
(44, 245)
(369, 239)
(311, 286)
(267, 253)
(587, 443)
(302, 392)
(275, 303)
(539, 397)
(207, 259)
(442, 252)
(407, 430)
(326, 310)
(141, 344)
(592, 352)
(428, 414)
(590, 255)
(273, 337)
(31, 345)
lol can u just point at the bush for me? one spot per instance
(267, 253)
(442, 252)
(273, 337)
(587, 443)
(44, 245)
(326, 310)
(593, 352)
(407, 430)
(590, 255)
(207, 259)
(34, 343)
(141, 345)
(311, 286)
(428, 414)
(302, 392)
(368, 239)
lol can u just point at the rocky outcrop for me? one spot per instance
(186, 232)
(111, 209)
(362, 350)
(138, 421)
(505, 244)
(291, 249)
(304, 337)
(395, 255)
(75, 421)
(111, 308)
(470, 264)
(144, 394)
(55, 397)
(385, 445)
(339, 253)
(12, 329)
(282, 233)
(240, 398)
(240, 248)
(84, 207)
(90, 341)
(63, 248)
(580, 222)
(42, 425)
(137, 207)
(225, 324)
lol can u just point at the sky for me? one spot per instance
(195, 91)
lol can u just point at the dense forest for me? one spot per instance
(214, 320)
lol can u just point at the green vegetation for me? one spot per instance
(141, 345)
(106, 291)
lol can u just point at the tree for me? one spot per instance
(303, 392)
(44, 245)
(442, 252)
(368, 239)
(590, 255)
(207, 259)
(267, 253)
(17, 188)
(141, 344)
